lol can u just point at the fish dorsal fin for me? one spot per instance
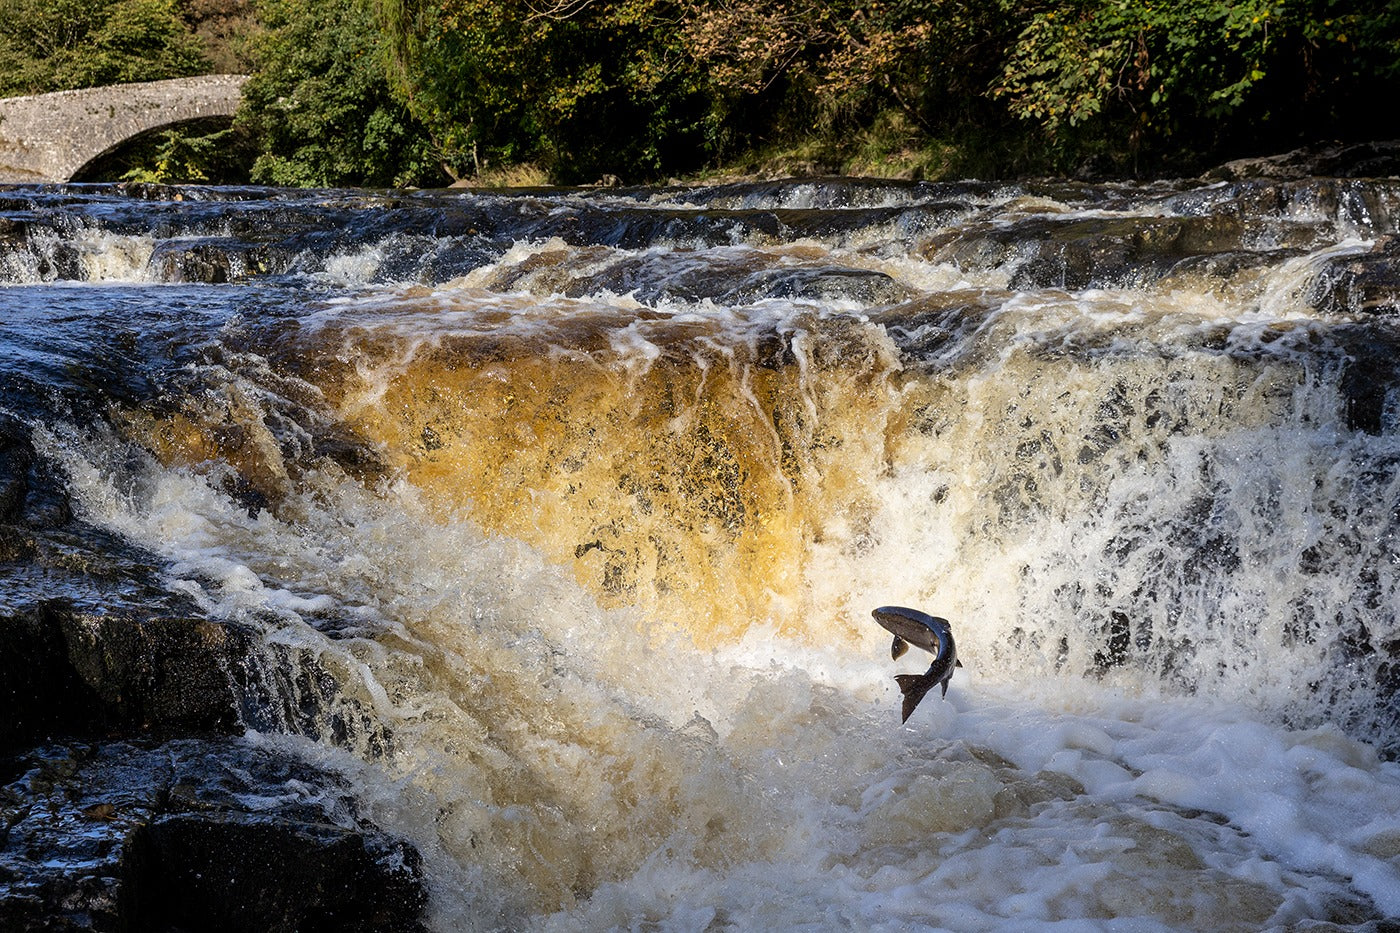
(898, 648)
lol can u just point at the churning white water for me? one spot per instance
(587, 617)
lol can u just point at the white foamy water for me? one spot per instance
(772, 785)
(586, 615)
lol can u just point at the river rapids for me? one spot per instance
(559, 516)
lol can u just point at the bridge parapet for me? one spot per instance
(50, 137)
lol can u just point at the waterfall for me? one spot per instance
(558, 517)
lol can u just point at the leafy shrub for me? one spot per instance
(1180, 73)
(319, 106)
(843, 68)
(583, 88)
(56, 45)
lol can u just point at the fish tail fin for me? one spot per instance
(914, 687)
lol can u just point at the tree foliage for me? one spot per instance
(1188, 69)
(842, 66)
(583, 88)
(391, 92)
(56, 45)
(177, 157)
(320, 107)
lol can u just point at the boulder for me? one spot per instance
(1360, 283)
(1090, 252)
(194, 835)
(69, 671)
(128, 801)
(1356, 160)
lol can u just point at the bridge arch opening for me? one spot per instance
(203, 150)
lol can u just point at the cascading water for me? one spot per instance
(559, 517)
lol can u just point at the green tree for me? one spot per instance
(55, 45)
(320, 108)
(842, 66)
(582, 88)
(1167, 74)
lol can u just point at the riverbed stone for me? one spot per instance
(128, 799)
(1357, 160)
(66, 671)
(1360, 283)
(193, 835)
(1097, 252)
(31, 494)
(213, 260)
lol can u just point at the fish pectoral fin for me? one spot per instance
(898, 648)
(914, 687)
(957, 663)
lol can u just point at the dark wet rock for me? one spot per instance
(857, 224)
(929, 329)
(1359, 208)
(89, 642)
(822, 194)
(1092, 252)
(740, 277)
(289, 690)
(209, 261)
(32, 496)
(65, 671)
(93, 643)
(1370, 373)
(40, 246)
(1222, 267)
(16, 460)
(825, 283)
(190, 835)
(1360, 283)
(1360, 160)
(199, 833)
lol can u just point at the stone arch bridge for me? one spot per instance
(51, 137)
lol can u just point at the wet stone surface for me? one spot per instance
(192, 834)
(1361, 283)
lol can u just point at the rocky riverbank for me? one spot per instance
(128, 798)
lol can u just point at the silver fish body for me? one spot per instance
(934, 635)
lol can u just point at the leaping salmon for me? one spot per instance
(934, 635)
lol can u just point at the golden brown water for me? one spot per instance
(669, 465)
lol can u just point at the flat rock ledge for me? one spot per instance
(127, 801)
(1338, 160)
